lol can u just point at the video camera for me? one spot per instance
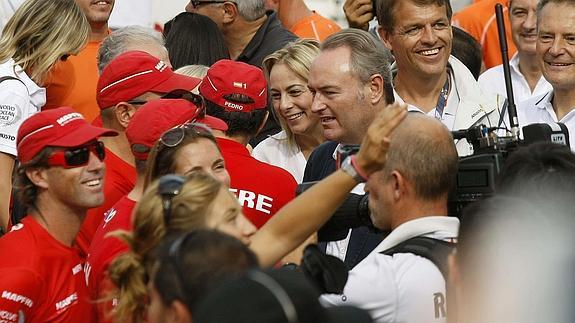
(478, 173)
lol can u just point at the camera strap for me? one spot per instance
(436, 251)
(502, 114)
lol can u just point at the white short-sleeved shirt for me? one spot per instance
(401, 287)
(539, 109)
(277, 151)
(493, 81)
(18, 101)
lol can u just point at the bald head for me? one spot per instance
(422, 150)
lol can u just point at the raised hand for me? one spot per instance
(358, 13)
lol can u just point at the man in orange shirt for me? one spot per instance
(300, 20)
(479, 21)
(73, 82)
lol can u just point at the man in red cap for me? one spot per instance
(129, 80)
(237, 93)
(144, 130)
(60, 177)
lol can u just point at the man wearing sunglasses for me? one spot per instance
(60, 177)
(126, 83)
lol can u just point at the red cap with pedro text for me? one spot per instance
(228, 77)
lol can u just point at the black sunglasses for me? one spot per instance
(197, 100)
(169, 186)
(76, 157)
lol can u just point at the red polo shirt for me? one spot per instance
(262, 189)
(41, 279)
(119, 180)
(104, 250)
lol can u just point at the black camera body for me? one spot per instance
(477, 174)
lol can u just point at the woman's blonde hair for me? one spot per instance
(297, 56)
(42, 31)
(189, 210)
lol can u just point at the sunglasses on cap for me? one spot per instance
(197, 100)
(76, 157)
(169, 187)
(175, 136)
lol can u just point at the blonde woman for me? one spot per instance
(38, 35)
(287, 71)
(178, 204)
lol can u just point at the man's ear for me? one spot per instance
(124, 112)
(376, 86)
(230, 12)
(385, 37)
(38, 176)
(400, 185)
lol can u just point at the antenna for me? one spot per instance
(506, 72)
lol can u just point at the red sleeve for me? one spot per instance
(105, 305)
(21, 294)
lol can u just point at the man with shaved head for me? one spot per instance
(409, 197)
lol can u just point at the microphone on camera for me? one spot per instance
(556, 133)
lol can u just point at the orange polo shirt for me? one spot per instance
(479, 21)
(73, 83)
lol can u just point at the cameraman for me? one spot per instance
(346, 99)
(409, 197)
(556, 52)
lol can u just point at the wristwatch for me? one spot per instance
(348, 166)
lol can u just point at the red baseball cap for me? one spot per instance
(227, 77)
(158, 116)
(60, 127)
(134, 73)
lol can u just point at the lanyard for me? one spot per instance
(442, 100)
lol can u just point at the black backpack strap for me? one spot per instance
(437, 251)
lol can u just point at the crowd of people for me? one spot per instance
(156, 176)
